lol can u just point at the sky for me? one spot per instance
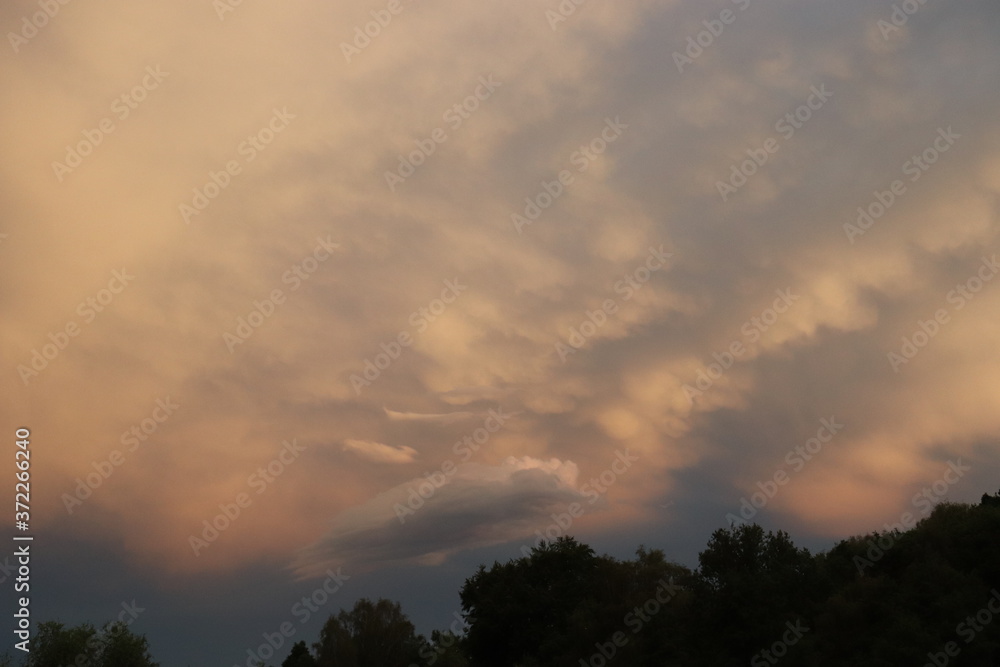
(340, 300)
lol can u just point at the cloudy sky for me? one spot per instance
(389, 289)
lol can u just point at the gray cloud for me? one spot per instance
(426, 519)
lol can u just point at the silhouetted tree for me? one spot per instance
(372, 634)
(554, 606)
(879, 600)
(444, 650)
(299, 657)
(55, 645)
(749, 584)
(519, 609)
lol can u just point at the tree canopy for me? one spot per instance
(927, 595)
(372, 634)
(114, 645)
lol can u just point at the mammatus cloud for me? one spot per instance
(459, 507)
(589, 131)
(379, 452)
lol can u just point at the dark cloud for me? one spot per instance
(427, 519)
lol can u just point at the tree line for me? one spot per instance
(929, 595)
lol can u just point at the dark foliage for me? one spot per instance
(114, 645)
(927, 595)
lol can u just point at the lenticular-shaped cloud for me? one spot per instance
(428, 518)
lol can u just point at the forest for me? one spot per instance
(929, 595)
